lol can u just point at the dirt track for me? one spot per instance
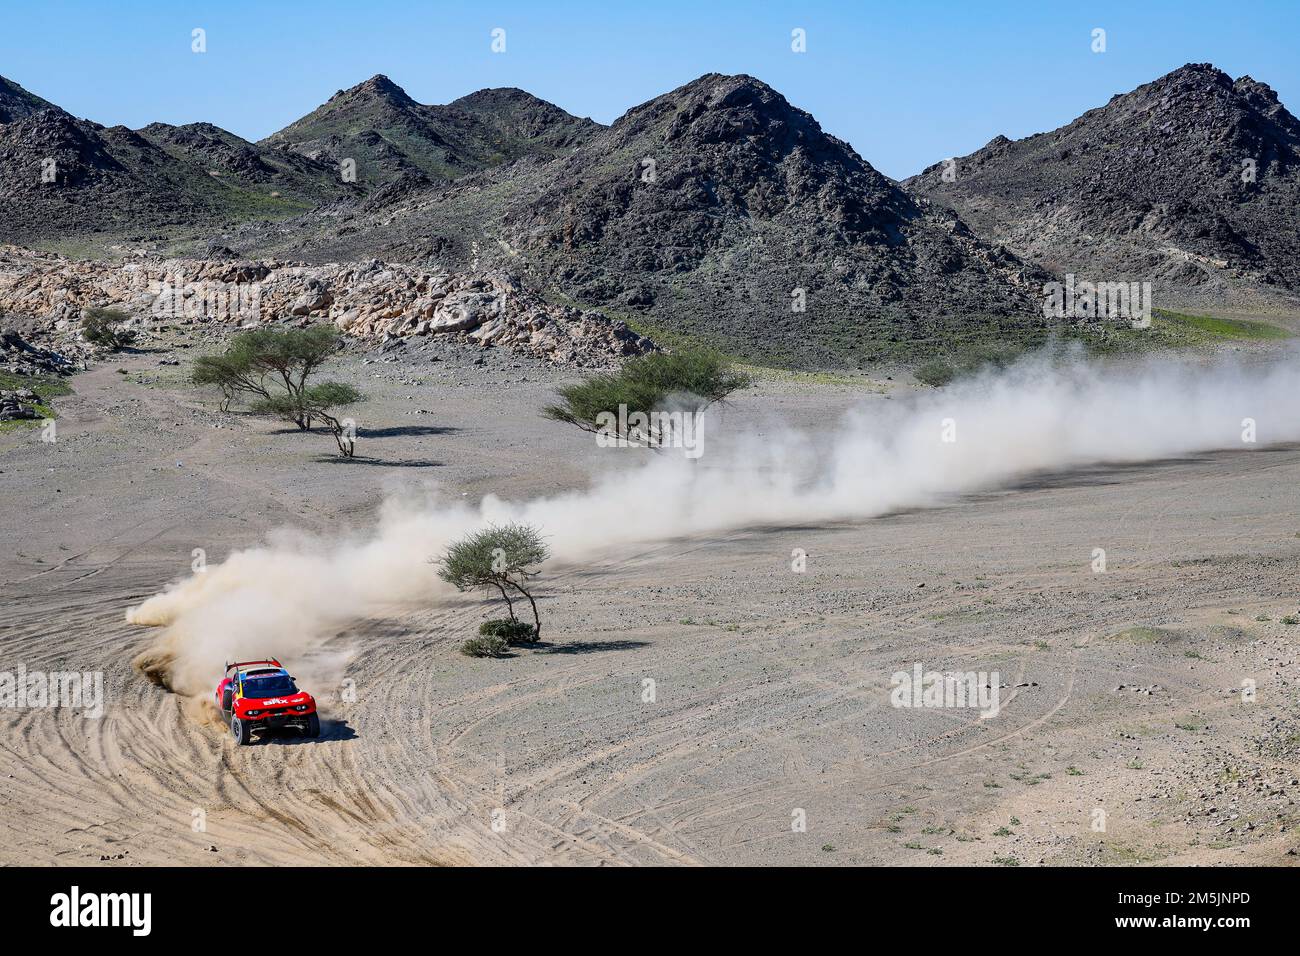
(771, 687)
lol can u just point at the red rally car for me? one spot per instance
(260, 695)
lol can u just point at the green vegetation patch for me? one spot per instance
(1212, 327)
(978, 349)
(46, 387)
(1145, 635)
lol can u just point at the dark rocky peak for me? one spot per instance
(1206, 95)
(1201, 101)
(749, 130)
(1191, 76)
(516, 113)
(78, 148)
(498, 96)
(16, 102)
(1192, 178)
(378, 87)
(206, 129)
(717, 107)
(54, 129)
(1253, 90)
(191, 134)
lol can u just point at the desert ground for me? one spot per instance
(771, 704)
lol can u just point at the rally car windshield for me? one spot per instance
(272, 685)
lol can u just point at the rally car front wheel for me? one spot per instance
(313, 726)
(242, 733)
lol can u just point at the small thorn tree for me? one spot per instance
(265, 363)
(104, 327)
(272, 368)
(498, 558)
(315, 402)
(688, 380)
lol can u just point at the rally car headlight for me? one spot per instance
(300, 707)
(251, 713)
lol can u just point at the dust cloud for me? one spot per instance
(289, 597)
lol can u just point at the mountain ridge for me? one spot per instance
(1186, 180)
(388, 135)
(66, 177)
(717, 210)
(712, 208)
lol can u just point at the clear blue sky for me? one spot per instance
(907, 83)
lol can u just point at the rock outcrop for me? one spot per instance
(368, 300)
(16, 405)
(21, 357)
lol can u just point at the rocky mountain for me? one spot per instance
(62, 178)
(718, 210)
(232, 160)
(16, 102)
(721, 211)
(1191, 181)
(390, 136)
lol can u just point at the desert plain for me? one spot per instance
(694, 700)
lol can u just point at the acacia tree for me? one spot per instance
(231, 374)
(270, 364)
(689, 380)
(271, 367)
(498, 558)
(103, 327)
(316, 402)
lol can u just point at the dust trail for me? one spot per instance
(290, 596)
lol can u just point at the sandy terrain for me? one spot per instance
(771, 687)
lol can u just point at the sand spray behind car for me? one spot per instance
(294, 594)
